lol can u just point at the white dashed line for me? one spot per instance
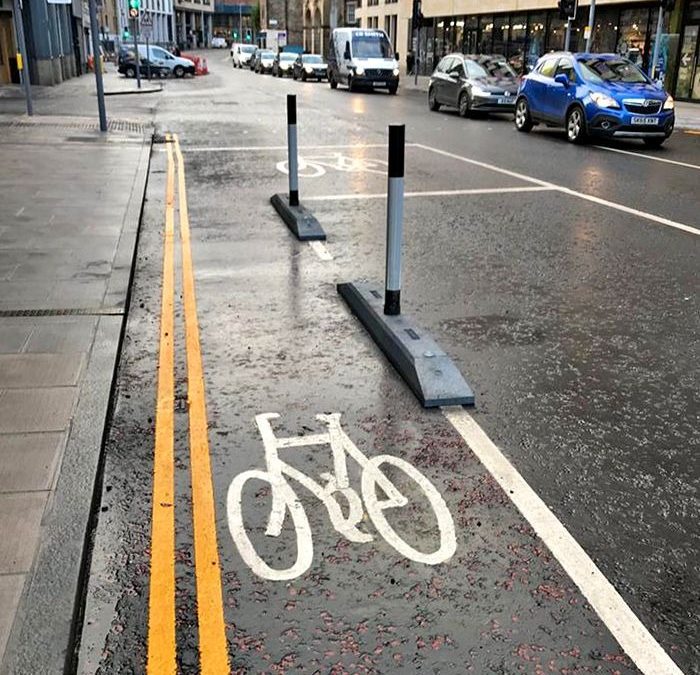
(656, 159)
(426, 193)
(637, 642)
(321, 250)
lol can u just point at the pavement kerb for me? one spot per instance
(135, 91)
(48, 620)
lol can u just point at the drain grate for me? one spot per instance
(114, 125)
(70, 311)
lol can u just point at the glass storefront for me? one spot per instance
(688, 80)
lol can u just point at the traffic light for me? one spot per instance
(567, 9)
(234, 34)
(417, 18)
(667, 5)
(134, 6)
(126, 35)
(248, 35)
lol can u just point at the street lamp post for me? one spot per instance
(97, 64)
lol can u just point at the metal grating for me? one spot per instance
(70, 311)
(113, 125)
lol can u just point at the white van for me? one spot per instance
(361, 57)
(240, 54)
(164, 60)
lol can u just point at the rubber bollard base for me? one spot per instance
(427, 369)
(300, 221)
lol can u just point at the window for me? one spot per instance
(486, 41)
(474, 70)
(566, 67)
(350, 12)
(444, 64)
(548, 67)
(456, 67)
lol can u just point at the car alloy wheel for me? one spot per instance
(575, 125)
(464, 104)
(179, 71)
(130, 72)
(432, 100)
(523, 122)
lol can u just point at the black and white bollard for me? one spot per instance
(300, 221)
(427, 370)
(394, 220)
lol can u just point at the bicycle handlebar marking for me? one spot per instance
(285, 500)
(314, 167)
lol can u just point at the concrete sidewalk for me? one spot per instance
(69, 217)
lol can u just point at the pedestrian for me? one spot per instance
(410, 61)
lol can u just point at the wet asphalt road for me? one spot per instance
(575, 322)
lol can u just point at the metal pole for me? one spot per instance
(394, 220)
(137, 56)
(568, 35)
(657, 42)
(591, 19)
(97, 63)
(292, 150)
(23, 62)
(148, 62)
(416, 60)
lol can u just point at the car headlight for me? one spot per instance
(669, 103)
(359, 70)
(396, 72)
(308, 69)
(603, 100)
(478, 91)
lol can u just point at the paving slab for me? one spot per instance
(28, 461)
(20, 518)
(32, 410)
(39, 370)
(10, 592)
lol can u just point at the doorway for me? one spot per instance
(7, 49)
(688, 81)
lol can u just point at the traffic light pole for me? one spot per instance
(22, 61)
(567, 38)
(136, 50)
(591, 19)
(97, 64)
(657, 41)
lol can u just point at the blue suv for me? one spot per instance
(594, 94)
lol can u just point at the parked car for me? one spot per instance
(218, 43)
(310, 66)
(253, 61)
(241, 54)
(471, 83)
(126, 65)
(264, 61)
(594, 94)
(362, 58)
(283, 64)
(163, 59)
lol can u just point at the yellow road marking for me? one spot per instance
(161, 609)
(694, 133)
(213, 649)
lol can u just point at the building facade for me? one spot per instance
(320, 18)
(194, 23)
(231, 19)
(284, 15)
(523, 30)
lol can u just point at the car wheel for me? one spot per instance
(351, 84)
(523, 119)
(465, 104)
(179, 71)
(332, 82)
(432, 100)
(130, 71)
(575, 125)
(393, 90)
(654, 142)
(303, 76)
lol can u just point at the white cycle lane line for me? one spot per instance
(664, 160)
(634, 638)
(565, 190)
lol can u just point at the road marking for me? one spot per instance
(692, 132)
(429, 193)
(315, 166)
(243, 148)
(213, 648)
(626, 628)
(565, 190)
(321, 250)
(641, 154)
(161, 605)
(284, 500)
(20, 212)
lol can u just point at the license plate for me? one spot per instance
(506, 100)
(378, 83)
(650, 121)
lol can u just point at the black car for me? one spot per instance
(283, 64)
(126, 65)
(473, 83)
(310, 66)
(264, 60)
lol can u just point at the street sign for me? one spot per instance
(146, 20)
(146, 32)
(60, 2)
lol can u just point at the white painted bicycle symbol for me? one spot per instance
(284, 499)
(313, 167)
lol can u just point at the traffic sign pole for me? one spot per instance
(136, 55)
(657, 42)
(22, 61)
(97, 64)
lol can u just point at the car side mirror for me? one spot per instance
(562, 79)
(396, 56)
(453, 75)
(346, 56)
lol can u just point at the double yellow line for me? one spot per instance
(162, 650)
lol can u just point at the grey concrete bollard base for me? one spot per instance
(300, 221)
(427, 370)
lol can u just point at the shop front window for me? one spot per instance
(517, 43)
(537, 23)
(632, 40)
(556, 33)
(689, 64)
(470, 44)
(501, 29)
(439, 39)
(458, 35)
(486, 39)
(605, 31)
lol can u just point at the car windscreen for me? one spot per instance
(248, 49)
(287, 56)
(371, 45)
(267, 55)
(611, 70)
(498, 68)
(311, 58)
(474, 69)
